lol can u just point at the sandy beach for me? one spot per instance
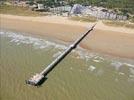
(116, 41)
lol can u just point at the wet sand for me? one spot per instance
(109, 40)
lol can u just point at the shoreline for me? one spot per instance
(53, 19)
(118, 43)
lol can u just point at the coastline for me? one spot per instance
(103, 39)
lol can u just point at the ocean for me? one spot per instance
(82, 75)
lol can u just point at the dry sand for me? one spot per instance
(104, 39)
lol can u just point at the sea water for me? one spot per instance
(82, 75)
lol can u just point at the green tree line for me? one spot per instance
(126, 6)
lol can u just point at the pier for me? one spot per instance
(38, 79)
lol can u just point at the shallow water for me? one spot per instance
(82, 75)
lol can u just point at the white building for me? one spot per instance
(98, 12)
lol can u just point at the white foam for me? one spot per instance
(84, 53)
(36, 42)
(116, 79)
(71, 68)
(121, 73)
(96, 60)
(91, 68)
(39, 43)
(18, 43)
(1, 32)
(101, 58)
(116, 64)
(131, 70)
(42, 47)
(131, 76)
(57, 54)
(130, 65)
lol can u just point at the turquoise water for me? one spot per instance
(82, 75)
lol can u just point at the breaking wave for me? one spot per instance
(38, 43)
